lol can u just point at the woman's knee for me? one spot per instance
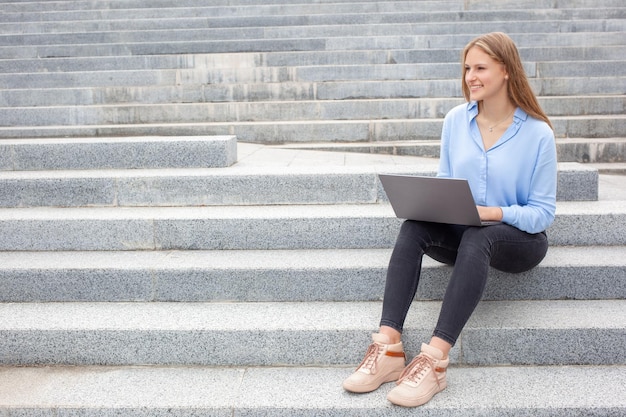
(521, 257)
(476, 241)
(413, 231)
(508, 249)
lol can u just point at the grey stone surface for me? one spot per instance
(149, 77)
(585, 227)
(260, 227)
(200, 188)
(463, 397)
(175, 99)
(577, 346)
(577, 182)
(56, 191)
(6, 157)
(334, 15)
(295, 58)
(121, 78)
(287, 275)
(153, 27)
(452, 88)
(81, 119)
(89, 229)
(122, 153)
(104, 391)
(47, 33)
(581, 150)
(284, 227)
(231, 334)
(178, 97)
(243, 184)
(191, 44)
(587, 151)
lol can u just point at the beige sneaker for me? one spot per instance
(383, 362)
(424, 377)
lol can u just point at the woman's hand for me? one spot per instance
(490, 214)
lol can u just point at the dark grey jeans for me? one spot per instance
(472, 250)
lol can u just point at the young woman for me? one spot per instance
(503, 144)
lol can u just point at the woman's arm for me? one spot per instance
(539, 211)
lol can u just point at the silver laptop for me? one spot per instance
(432, 199)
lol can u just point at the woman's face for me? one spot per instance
(484, 76)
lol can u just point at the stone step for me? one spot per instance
(119, 123)
(281, 391)
(117, 153)
(332, 13)
(316, 31)
(561, 86)
(13, 5)
(285, 6)
(233, 46)
(303, 74)
(153, 77)
(611, 170)
(279, 111)
(171, 29)
(566, 332)
(328, 275)
(137, 4)
(609, 152)
(213, 187)
(337, 94)
(295, 58)
(259, 227)
(534, 53)
(71, 13)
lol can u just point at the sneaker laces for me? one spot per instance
(417, 369)
(371, 358)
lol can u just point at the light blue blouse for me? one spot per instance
(518, 173)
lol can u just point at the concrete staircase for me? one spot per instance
(149, 267)
(377, 74)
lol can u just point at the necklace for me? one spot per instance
(501, 121)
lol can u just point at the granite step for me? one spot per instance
(339, 95)
(328, 275)
(314, 31)
(259, 227)
(119, 122)
(293, 58)
(69, 12)
(217, 186)
(608, 153)
(230, 46)
(172, 29)
(26, 104)
(333, 13)
(553, 332)
(610, 170)
(135, 4)
(313, 73)
(131, 153)
(553, 391)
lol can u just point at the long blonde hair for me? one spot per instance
(501, 48)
